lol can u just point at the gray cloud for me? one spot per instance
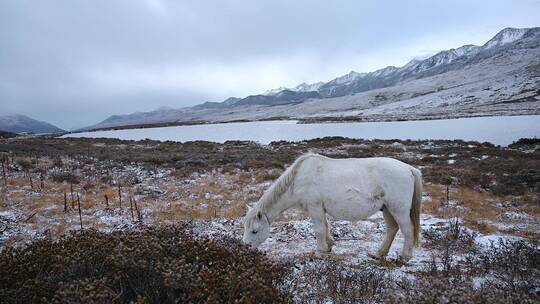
(75, 62)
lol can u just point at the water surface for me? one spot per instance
(500, 130)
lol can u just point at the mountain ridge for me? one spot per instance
(18, 123)
(504, 42)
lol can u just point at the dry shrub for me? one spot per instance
(448, 241)
(67, 177)
(88, 185)
(525, 142)
(437, 290)
(5, 134)
(57, 162)
(106, 179)
(156, 265)
(510, 273)
(332, 281)
(514, 264)
(24, 164)
(452, 235)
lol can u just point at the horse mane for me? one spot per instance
(281, 185)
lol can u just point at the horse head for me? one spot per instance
(256, 228)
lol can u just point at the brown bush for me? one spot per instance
(332, 281)
(67, 177)
(453, 236)
(514, 264)
(5, 134)
(156, 265)
(24, 164)
(437, 290)
(57, 162)
(525, 142)
(510, 272)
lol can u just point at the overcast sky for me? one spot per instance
(74, 63)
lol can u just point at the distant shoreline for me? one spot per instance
(314, 120)
(500, 130)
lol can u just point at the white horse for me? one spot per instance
(346, 189)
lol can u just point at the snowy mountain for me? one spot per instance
(508, 35)
(348, 78)
(281, 97)
(21, 123)
(502, 73)
(441, 62)
(275, 91)
(303, 87)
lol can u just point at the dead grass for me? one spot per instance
(478, 208)
(480, 204)
(213, 180)
(531, 204)
(482, 226)
(226, 195)
(436, 192)
(18, 182)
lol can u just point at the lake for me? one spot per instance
(500, 130)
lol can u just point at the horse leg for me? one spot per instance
(391, 230)
(320, 227)
(406, 226)
(329, 238)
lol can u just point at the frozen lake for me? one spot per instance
(500, 130)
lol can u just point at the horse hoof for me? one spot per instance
(327, 251)
(331, 242)
(404, 260)
(375, 256)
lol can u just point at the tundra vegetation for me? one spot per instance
(104, 220)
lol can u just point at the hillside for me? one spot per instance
(25, 124)
(501, 77)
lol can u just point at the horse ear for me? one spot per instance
(259, 215)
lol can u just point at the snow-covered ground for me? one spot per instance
(213, 197)
(291, 238)
(294, 239)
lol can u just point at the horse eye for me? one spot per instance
(254, 231)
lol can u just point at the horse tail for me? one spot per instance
(416, 205)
